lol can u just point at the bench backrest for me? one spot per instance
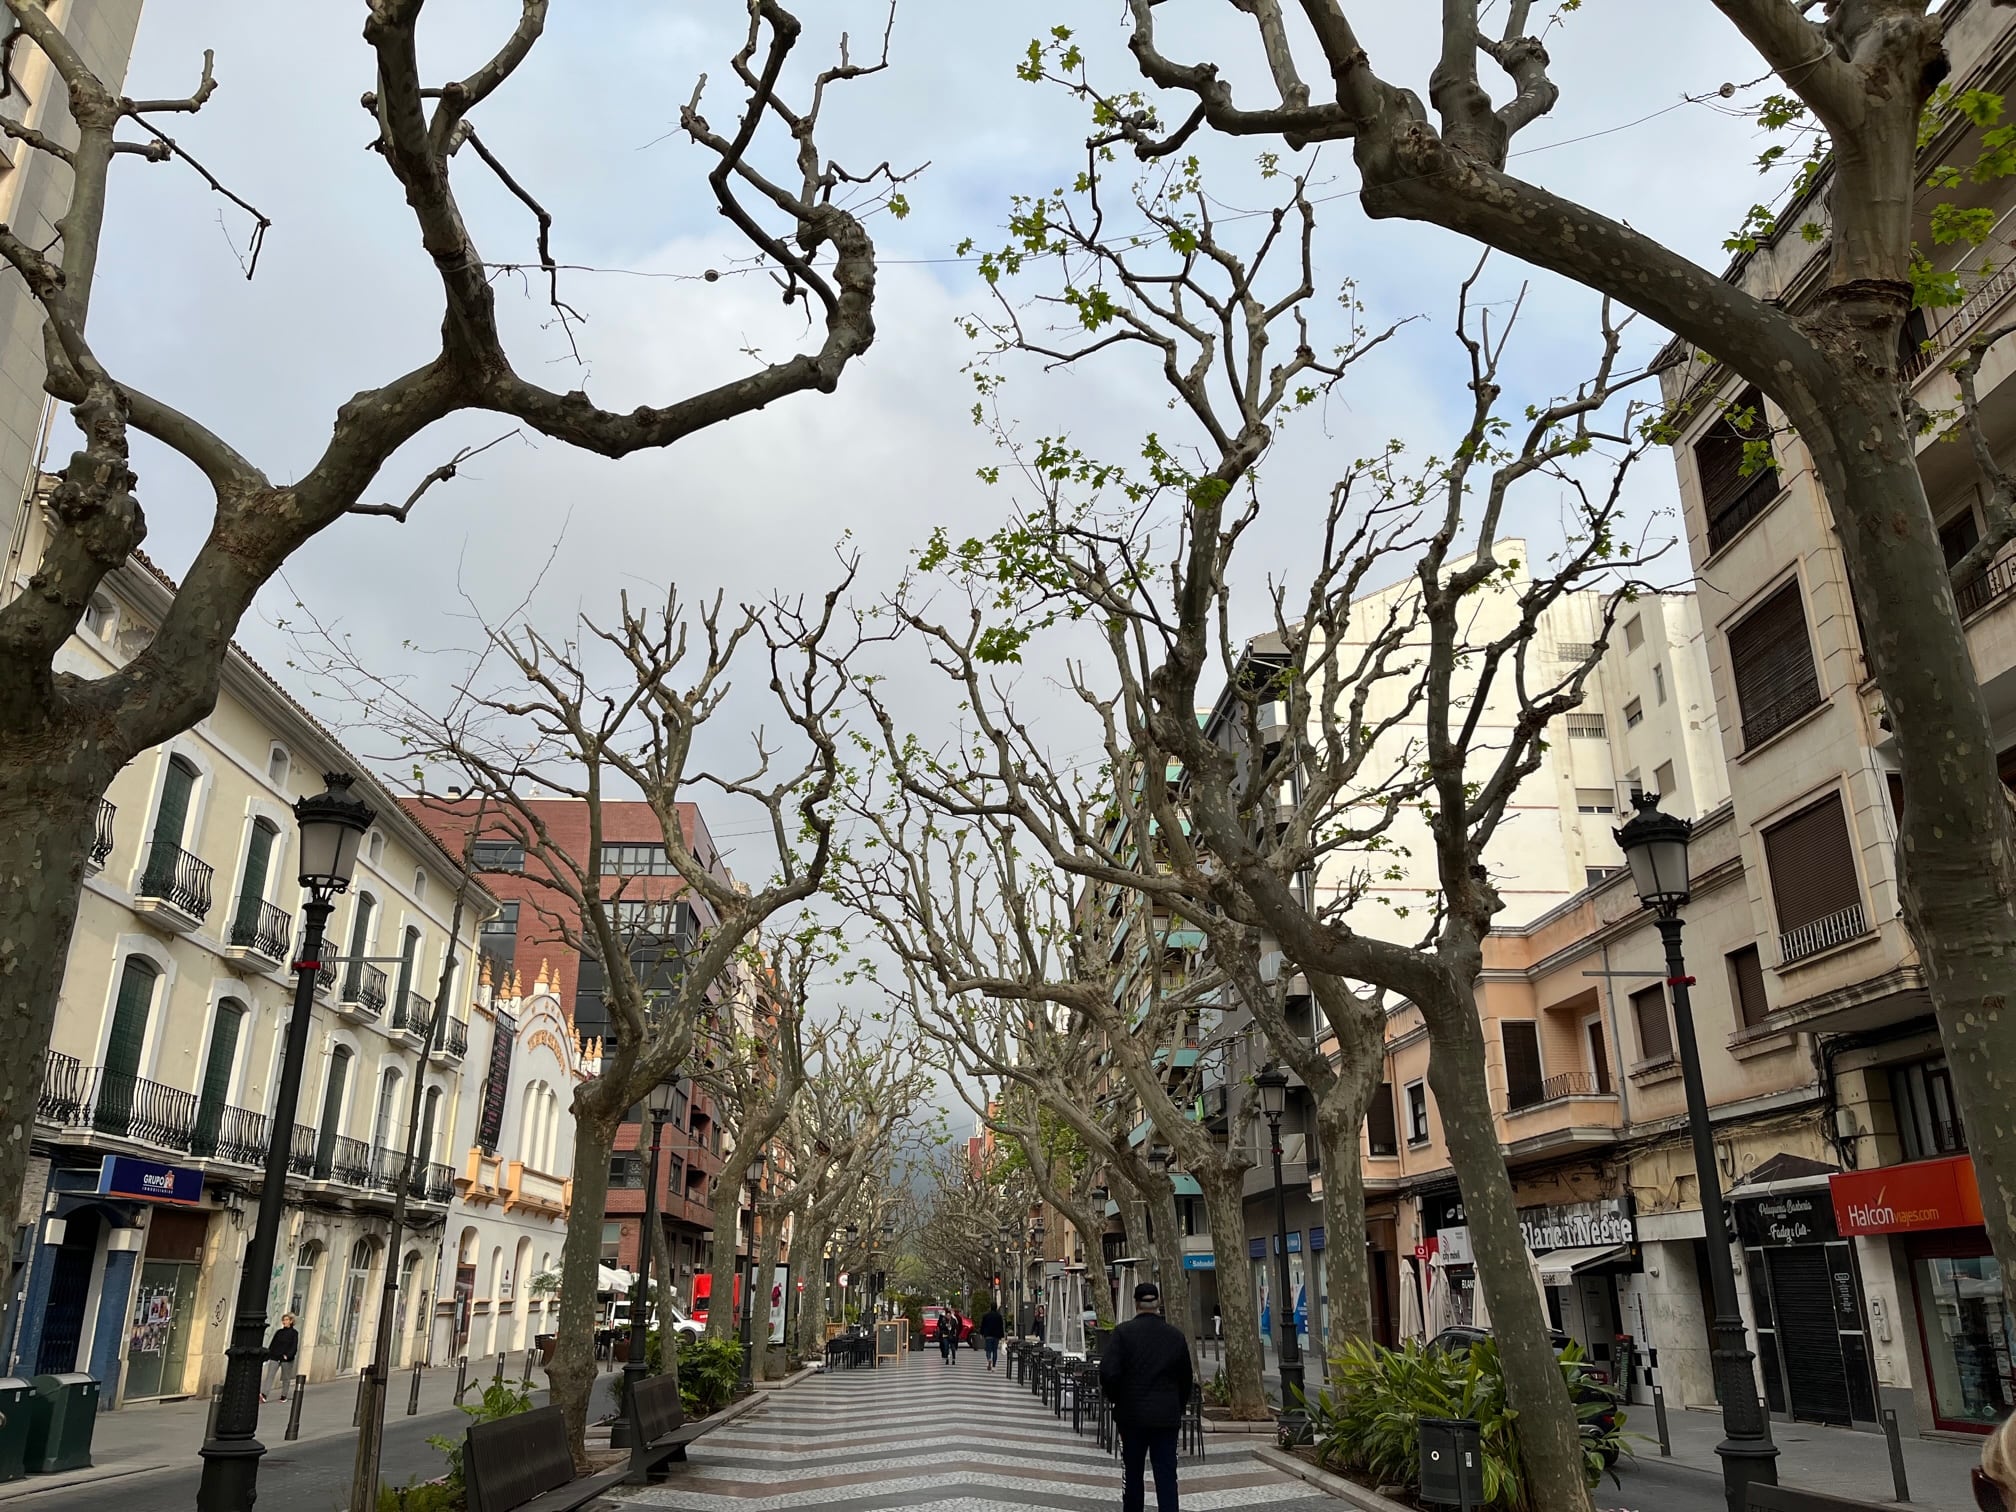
(659, 1410)
(514, 1460)
(1792, 1499)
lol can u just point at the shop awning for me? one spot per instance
(1556, 1266)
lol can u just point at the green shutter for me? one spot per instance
(332, 1109)
(174, 811)
(360, 932)
(405, 973)
(253, 892)
(217, 1075)
(122, 1049)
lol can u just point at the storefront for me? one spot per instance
(1305, 1284)
(1806, 1296)
(1966, 1335)
(1443, 1258)
(1581, 1251)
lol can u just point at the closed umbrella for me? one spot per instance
(1480, 1311)
(1410, 1303)
(1441, 1313)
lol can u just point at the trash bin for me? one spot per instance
(1452, 1463)
(65, 1412)
(17, 1399)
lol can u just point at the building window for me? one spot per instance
(1594, 801)
(1772, 663)
(1663, 781)
(612, 1243)
(419, 886)
(1591, 875)
(1813, 882)
(1417, 1113)
(1739, 477)
(1659, 682)
(1380, 1138)
(1746, 985)
(1634, 714)
(1634, 632)
(1928, 1120)
(1520, 1039)
(377, 848)
(278, 764)
(629, 859)
(97, 618)
(498, 943)
(626, 1170)
(1958, 536)
(497, 856)
(1655, 1029)
(1585, 727)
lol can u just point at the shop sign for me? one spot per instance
(1200, 1262)
(1786, 1218)
(148, 1181)
(1316, 1238)
(1455, 1245)
(1906, 1199)
(1577, 1225)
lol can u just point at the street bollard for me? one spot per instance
(1659, 1412)
(1896, 1442)
(500, 1367)
(216, 1396)
(294, 1412)
(527, 1379)
(363, 1388)
(461, 1377)
(413, 1397)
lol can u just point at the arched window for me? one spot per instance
(377, 846)
(427, 1126)
(360, 945)
(278, 764)
(98, 617)
(521, 1270)
(245, 924)
(409, 952)
(217, 1067)
(125, 1045)
(300, 1293)
(162, 868)
(496, 1273)
(419, 886)
(465, 1252)
(334, 1091)
(549, 1159)
(383, 1130)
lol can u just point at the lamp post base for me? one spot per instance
(230, 1475)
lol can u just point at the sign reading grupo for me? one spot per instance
(1577, 1225)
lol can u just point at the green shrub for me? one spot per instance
(420, 1496)
(1370, 1422)
(709, 1372)
(501, 1399)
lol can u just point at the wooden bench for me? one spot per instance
(659, 1431)
(521, 1464)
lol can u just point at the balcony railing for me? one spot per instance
(132, 1107)
(1984, 588)
(440, 1182)
(301, 1153)
(177, 879)
(101, 835)
(348, 1161)
(1726, 519)
(414, 1015)
(1956, 321)
(387, 1166)
(364, 989)
(262, 929)
(1822, 934)
(456, 1039)
(234, 1134)
(62, 1088)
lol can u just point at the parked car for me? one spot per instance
(619, 1318)
(1590, 1384)
(932, 1318)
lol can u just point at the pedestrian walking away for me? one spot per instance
(281, 1350)
(1145, 1370)
(991, 1330)
(949, 1324)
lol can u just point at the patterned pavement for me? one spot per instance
(934, 1437)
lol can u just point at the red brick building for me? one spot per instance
(529, 939)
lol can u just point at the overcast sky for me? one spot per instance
(343, 297)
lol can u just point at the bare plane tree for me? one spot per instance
(63, 738)
(1426, 698)
(1861, 76)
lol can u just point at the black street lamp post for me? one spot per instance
(1655, 844)
(332, 827)
(1272, 1082)
(658, 1110)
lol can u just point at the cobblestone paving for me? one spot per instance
(938, 1438)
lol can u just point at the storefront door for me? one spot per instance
(1966, 1329)
(69, 1291)
(157, 1342)
(1812, 1342)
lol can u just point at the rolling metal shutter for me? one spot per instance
(1772, 662)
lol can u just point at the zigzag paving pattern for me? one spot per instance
(932, 1437)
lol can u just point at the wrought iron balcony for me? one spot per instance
(301, 1153)
(440, 1182)
(348, 1161)
(62, 1088)
(261, 929)
(451, 1039)
(101, 836)
(414, 1016)
(1997, 581)
(1822, 934)
(132, 1107)
(387, 1166)
(178, 881)
(364, 990)
(226, 1133)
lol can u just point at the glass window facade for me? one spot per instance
(1965, 1323)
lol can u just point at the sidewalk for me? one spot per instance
(148, 1437)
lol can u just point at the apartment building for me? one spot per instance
(513, 1159)
(34, 193)
(155, 1115)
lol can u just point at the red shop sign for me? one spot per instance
(1905, 1199)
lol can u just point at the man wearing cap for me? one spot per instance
(1145, 1369)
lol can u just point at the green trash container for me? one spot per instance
(17, 1400)
(60, 1426)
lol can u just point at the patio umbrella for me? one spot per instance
(1441, 1313)
(1410, 1304)
(611, 1280)
(1480, 1310)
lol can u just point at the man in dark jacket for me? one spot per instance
(991, 1329)
(1145, 1369)
(280, 1352)
(949, 1326)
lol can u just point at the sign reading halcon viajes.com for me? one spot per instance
(1577, 1225)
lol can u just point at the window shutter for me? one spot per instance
(1655, 1029)
(1730, 497)
(1521, 1041)
(332, 1108)
(1380, 1135)
(1812, 864)
(406, 954)
(258, 857)
(1772, 662)
(360, 934)
(129, 1020)
(173, 814)
(217, 1075)
(1746, 985)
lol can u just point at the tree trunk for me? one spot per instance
(1224, 1199)
(571, 1375)
(1347, 1275)
(808, 1251)
(46, 832)
(723, 1317)
(1549, 1440)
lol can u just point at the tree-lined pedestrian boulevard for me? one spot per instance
(930, 1435)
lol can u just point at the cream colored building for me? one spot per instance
(155, 1115)
(34, 192)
